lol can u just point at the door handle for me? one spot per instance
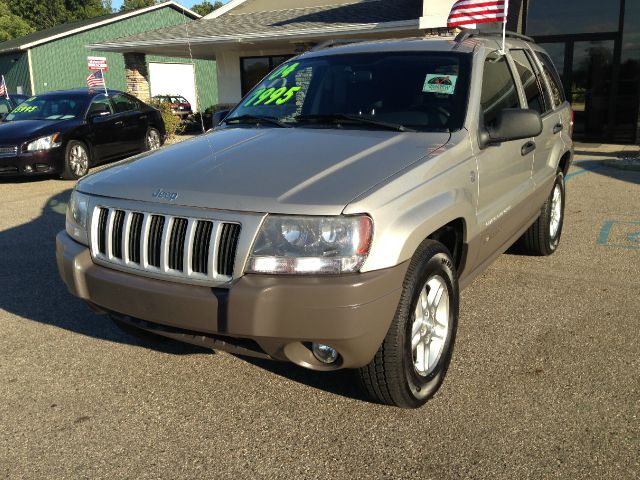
(558, 128)
(528, 148)
(119, 123)
(142, 117)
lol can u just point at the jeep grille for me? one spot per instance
(165, 245)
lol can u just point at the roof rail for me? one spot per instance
(336, 42)
(472, 32)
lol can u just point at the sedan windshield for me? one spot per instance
(49, 108)
(403, 91)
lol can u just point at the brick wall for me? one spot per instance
(137, 75)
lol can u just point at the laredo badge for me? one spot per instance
(438, 83)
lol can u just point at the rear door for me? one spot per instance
(504, 170)
(105, 129)
(135, 122)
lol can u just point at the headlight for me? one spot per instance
(44, 143)
(311, 245)
(76, 221)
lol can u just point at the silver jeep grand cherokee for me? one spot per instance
(333, 216)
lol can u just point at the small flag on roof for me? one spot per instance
(3, 89)
(96, 79)
(470, 12)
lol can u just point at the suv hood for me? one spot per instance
(297, 171)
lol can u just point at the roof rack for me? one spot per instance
(337, 42)
(472, 32)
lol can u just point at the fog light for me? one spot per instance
(28, 168)
(324, 353)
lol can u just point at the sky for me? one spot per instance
(116, 4)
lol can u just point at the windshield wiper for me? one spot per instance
(337, 117)
(257, 119)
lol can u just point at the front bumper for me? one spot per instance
(261, 315)
(33, 163)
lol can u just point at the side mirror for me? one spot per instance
(219, 116)
(512, 124)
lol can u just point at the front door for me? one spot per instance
(504, 170)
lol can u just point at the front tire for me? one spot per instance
(76, 160)
(412, 361)
(543, 237)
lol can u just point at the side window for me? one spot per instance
(101, 104)
(4, 106)
(552, 77)
(124, 103)
(533, 88)
(498, 88)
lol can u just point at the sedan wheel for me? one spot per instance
(76, 160)
(153, 139)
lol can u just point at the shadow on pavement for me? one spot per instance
(609, 168)
(32, 288)
(341, 382)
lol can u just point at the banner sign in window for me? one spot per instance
(438, 83)
(97, 63)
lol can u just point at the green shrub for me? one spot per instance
(171, 121)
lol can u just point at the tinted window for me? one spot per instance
(498, 88)
(123, 103)
(530, 81)
(552, 77)
(424, 91)
(100, 104)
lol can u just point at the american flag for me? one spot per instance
(3, 89)
(468, 12)
(96, 79)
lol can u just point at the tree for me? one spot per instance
(41, 15)
(11, 26)
(135, 4)
(205, 8)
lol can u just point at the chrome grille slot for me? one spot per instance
(102, 231)
(176, 243)
(155, 241)
(116, 234)
(164, 246)
(135, 237)
(228, 245)
(201, 245)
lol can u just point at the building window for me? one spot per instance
(551, 17)
(254, 69)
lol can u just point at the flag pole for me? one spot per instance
(104, 82)
(6, 89)
(504, 28)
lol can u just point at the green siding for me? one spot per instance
(206, 78)
(62, 63)
(15, 68)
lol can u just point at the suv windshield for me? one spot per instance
(424, 91)
(49, 108)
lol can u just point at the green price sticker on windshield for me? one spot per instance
(268, 96)
(438, 83)
(25, 109)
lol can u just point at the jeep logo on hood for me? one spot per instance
(160, 193)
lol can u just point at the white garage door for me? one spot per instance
(174, 79)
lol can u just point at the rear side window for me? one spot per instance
(531, 82)
(498, 88)
(124, 103)
(551, 74)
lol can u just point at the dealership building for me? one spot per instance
(594, 43)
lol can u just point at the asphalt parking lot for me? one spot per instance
(544, 381)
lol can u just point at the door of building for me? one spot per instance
(587, 67)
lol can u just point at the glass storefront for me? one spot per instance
(598, 57)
